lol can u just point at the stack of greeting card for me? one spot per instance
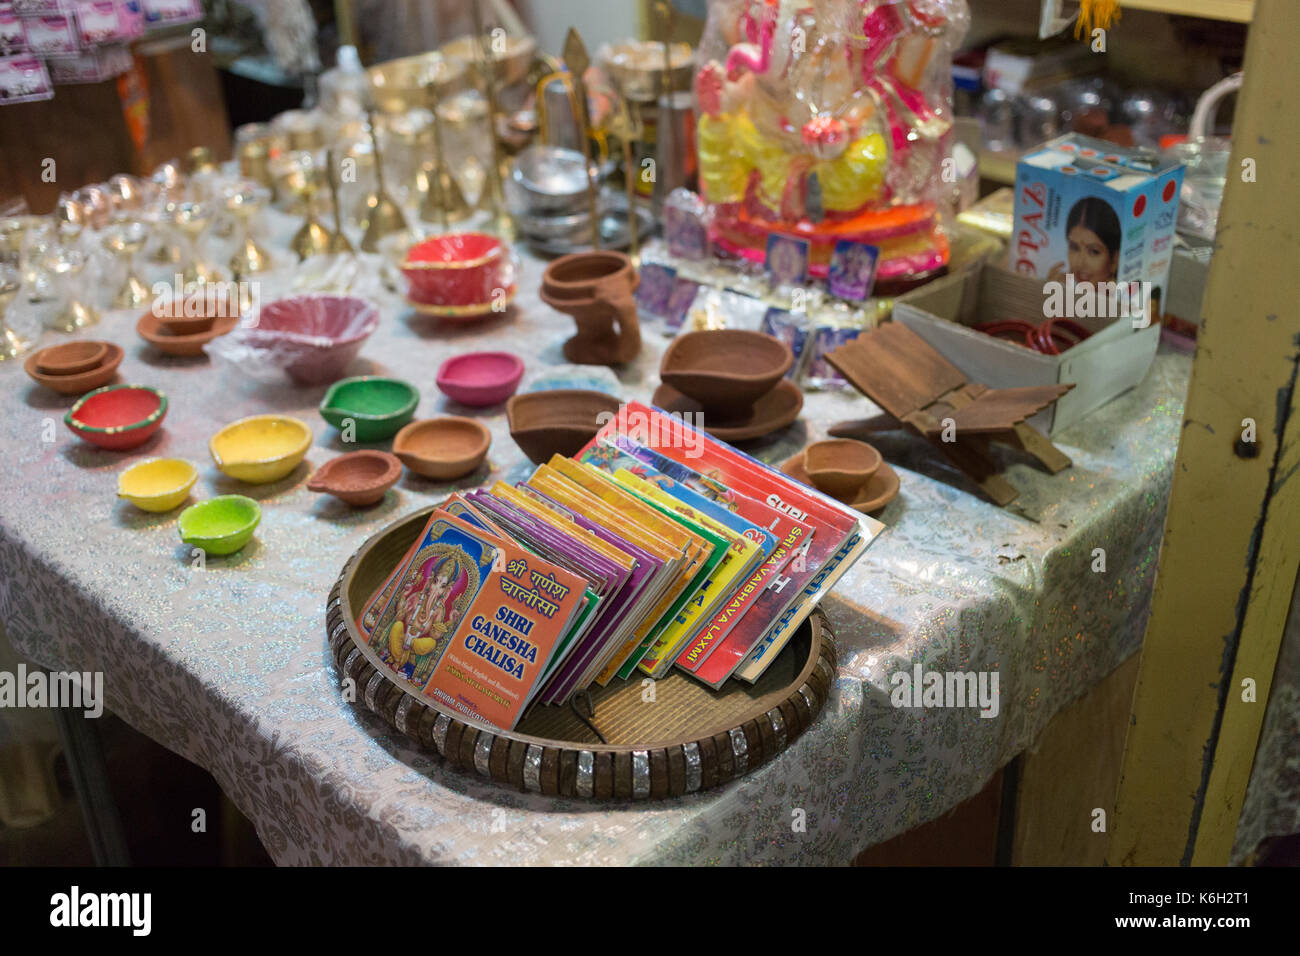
(656, 547)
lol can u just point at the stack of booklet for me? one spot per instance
(656, 547)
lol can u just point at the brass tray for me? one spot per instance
(684, 739)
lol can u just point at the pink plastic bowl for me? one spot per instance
(480, 378)
(317, 336)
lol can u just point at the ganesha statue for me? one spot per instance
(829, 120)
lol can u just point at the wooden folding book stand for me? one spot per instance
(920, 389)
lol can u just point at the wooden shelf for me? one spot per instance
(1237, 11)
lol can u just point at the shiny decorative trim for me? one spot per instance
(372, 687)
(350, 660)
(777, 720)
(483, 753)
(585, 786)
(640, 774)
(403, 709)
(694, 772)
(533, 768)
(809, 697)
(440, 727)
(740, 750)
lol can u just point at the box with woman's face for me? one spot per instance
(1095, 211)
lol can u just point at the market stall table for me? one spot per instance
(225, 661)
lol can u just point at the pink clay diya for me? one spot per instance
(596, 290)
(317, 335)
(480, 378)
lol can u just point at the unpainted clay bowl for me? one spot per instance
(195, 313)
(557, 422)
(359, 478)
(840, 466)
(71, 358)
(725, 370)
(157, 484)
(377, 406)
(480, 378)
(77, 383)
(881, 488)
(261, 448)
(220, 525)
(150, 328)
(117, 416)
(443, 448)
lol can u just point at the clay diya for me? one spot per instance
(459, 275)
(377, 407)
(317, 336)
(595, 289)
(359, 478)
(734, 378)
(184, 326)
(220, 525)
(480, 378)
(76, 383)
(841, 466)
(117, 416)
(443, 448)
(71, 358)
(157, 484)
(557, 422)
(261, 448)
(877, 491)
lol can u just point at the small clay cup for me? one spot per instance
(177, 316)
(359, 478)
(596, 290)
(841, 466)
(443, 448)
(557, 422)
(71, 358)
(725, 370)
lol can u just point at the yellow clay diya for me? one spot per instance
(260, 449)
(157, 484)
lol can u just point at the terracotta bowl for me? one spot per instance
(840, 466)
(725, 370)
(170, 342)
(443, 448)
(480, 378)
(319, 335)
(71, 358)
(459, 270)
(195, 313)
(77, 383)
(117, 416)
(377, 407)
(557, 422)
(360, 478)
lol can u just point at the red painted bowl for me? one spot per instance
(314, 338)
(480, 378)
(117, 416)
(459, 270)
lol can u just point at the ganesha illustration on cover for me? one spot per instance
(829, 120)
(433, 600)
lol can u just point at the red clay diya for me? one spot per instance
(480, 378)
(459, 274)
(117, 416)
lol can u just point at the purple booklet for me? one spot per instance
(581, 666)
(615, 585)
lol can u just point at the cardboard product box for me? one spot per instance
(1109, 362)
(1121, 205)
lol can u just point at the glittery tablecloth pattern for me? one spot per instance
(226, 664)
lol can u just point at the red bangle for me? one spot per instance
(1010, 330)
(1058, 335)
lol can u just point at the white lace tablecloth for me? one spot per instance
(228, 665)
